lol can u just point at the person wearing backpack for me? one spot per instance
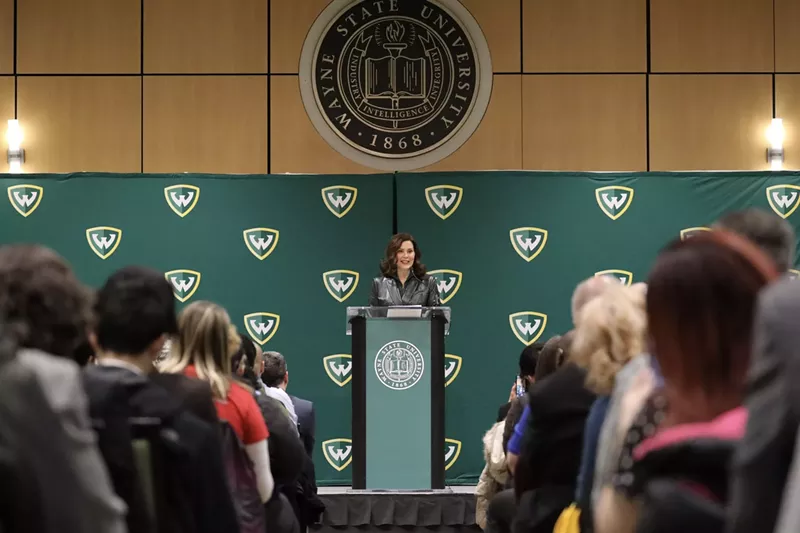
(181, 487)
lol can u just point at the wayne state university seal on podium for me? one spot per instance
(399, 365)
(395, 84)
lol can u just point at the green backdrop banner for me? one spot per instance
(510, 247)
(286, 254)
(258, 245)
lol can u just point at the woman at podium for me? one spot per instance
(403, 279)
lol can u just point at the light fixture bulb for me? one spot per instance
(14, 135)
(776, 134)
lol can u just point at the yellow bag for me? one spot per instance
(569, 520)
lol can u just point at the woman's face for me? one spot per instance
(405, 256)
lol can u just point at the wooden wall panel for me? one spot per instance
(205, 36)
(499, 20)
(78, 36)
(707, 122)
(584, 122)
(6, 114)
(711, 35)
(296, 146)
(787, 38)
(290, 21)
(787, 106)
(74, 124)
(205, 124)
(497, 143)
(585, 35)
(6, 36)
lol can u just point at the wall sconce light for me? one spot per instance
(775, 135)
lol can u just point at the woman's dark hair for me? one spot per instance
(42, 303)
(529, 358)
(389, 261)
(554, 354)
(243, 361)
(701, 299)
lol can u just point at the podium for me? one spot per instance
(398, 396)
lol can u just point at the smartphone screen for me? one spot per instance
(520, 387)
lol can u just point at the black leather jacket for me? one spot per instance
(389, 291)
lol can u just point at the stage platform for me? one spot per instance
(451, 510)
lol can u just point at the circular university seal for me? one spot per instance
(399, 365)
(395, 84)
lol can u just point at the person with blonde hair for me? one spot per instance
(586, 291)
(611, 332)
(203, 349)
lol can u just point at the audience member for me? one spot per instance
(503, 505)
(611, 332)
(276, 378)
(764, 457)
(46, 312)
(203, 349)
(546, 475)
(308, 506)
(771, 233)
(641, 376)
(286, 451)
(701, 299)
(134, 313)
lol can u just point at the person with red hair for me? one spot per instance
(701, 300)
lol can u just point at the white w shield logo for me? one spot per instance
(528, 242)
(104, 240)
(691, 232)
(448, 281)
(452, 449)
(339, 199)
(527, 326)
(452, 366)
(182, 198)
(444, 199)
(614, 200)
(339, 368)
(184, 283)
(338, 453)
(783, 199)
(261, 241)
(262, 326)
(623, 276)
(25, 198)
(341, 284)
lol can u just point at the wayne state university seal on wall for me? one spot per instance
(395, 84)
(399, 365)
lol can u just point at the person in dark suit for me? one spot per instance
(303, 496)
(306, 422)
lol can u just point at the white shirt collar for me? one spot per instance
(119, 363)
